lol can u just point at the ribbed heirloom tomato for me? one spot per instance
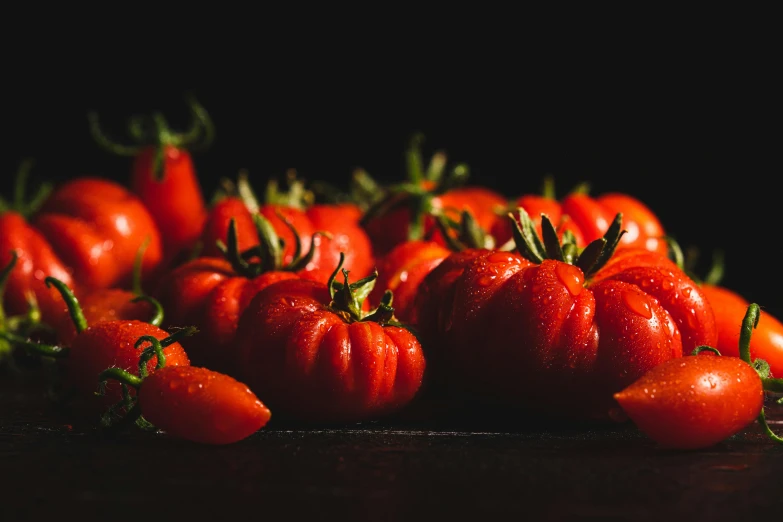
(291, 213)
(314, 355)
(558, 328)
(86, 233)
(212, 292)
(589, 217)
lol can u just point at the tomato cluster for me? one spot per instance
(184, 313)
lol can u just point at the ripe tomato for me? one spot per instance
(86, 233)
(314, 355)
(163, 175)
(404, 268)
(407, 211)
(700, 400)
(729, 307)
(212, 292)
(538, 328)
(102, 345)
(589, 217)
(296, 221)
(188, 402)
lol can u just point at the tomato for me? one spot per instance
(589, 217)
(729, 307)
(331, 229)
(188, 402)
(403, 269)
(102, 345)
(163, 175)
(315, 356)
(553, 322)
(407, 211)
(86, 233)
(212, 292)
(701, 400)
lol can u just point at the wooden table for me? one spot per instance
(417, 469)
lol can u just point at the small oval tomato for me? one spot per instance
(701, 400)
(407, 211)
(163, 175)
(101, 345)
(314, 355)
(538, 328)
(211, 292)
(295, 220)
(589, 217)
(189, 402)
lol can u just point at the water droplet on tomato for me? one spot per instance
(687, 291)
(667, 284)
(571, 277)
(500, 257)
(403, 276)
(486, 280)
(637, 303)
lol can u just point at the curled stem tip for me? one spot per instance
(74, 309)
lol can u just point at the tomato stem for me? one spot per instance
(47, 350)
(155, 349)
(705, 348)
(469, 233)
(138, 265)
(19, 205)
(157, 315)
(74, 309)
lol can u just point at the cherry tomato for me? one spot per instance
(314, 355)
(700, 400)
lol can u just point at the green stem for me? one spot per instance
(548, 187)
(155, 349)
(47, 350)
(74, 309)
(705, 348)
(107, 144)
(178, 334)
(138, 264)
(120, 375)
(157, 315)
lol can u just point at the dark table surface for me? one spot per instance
(53, 463)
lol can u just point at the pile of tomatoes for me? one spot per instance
(201, 316)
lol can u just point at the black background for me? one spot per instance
(688, 129)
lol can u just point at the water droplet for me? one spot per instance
(571, 277)
(687, 291)
(500, 257)
(403, 276)
(667, 284)
(486, 280)
(637, 303)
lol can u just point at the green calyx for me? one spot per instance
(589, 259)
(295, 196)
(363, 191)
(463, 234)
(687, 262)
(348, 298)
(154, 130)
(127, 410)
(20, 203)
(769, 384)
(421, 186)
(269, 251)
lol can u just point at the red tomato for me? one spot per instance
(163, 175)
(297, 222)
(314, 355)
(407, 211)
(212, 292)
(102, 345)
(187, 402)
(700, 400)
(86, 234)
(538, 332)
(588, 217)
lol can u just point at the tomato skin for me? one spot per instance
(175, 201)
(694, 402)
(312, 365)
(402, 271)
(767, 340)
(111, 344)
(589, 217)
(338, 220)
(97, 227)
(105, 304)
(36, 261)
(537, 335)
(87, 235)
(201, 405)
(208, 293)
